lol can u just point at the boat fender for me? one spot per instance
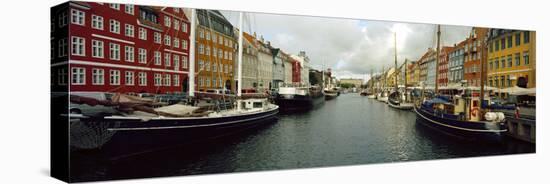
(501, 116)
(491, 116)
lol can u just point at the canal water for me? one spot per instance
(348, 130)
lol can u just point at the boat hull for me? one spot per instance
(330, 96)
(135, 137)
(293, 103)
(464, 130)
(401, 106)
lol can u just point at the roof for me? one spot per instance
(250, 39)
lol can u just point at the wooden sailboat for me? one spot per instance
(462, 115)
(397, 99)
(135, 132)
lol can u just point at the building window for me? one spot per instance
(230, 56)
(184, 44)
(62, 76)
(496, 45)
(526, 58)
(214, 38)
(167, 40)
(176, 24)
(509, 61)
(114, 6)
(490, 47)
(129, 31)
(77, 17)
(166, 59)
(114, 26)
(526, 36)
(490, 64)
(157, 37)
(114, 51)
(201, 49)
(62, 47)
(184, 27)
(167, 21)
(176, 61)
(208, 35)
(97, 49)
(208, 50)
(157, 57)
(518, 39)
(176, 80)
(220, 39)
(214, 67)
(496, 63)
(184, 61)
(157, 79)
(77, 46)
(201, 82)
(502, 62)
(129, 9)
(97, 76)
(114, 77)
(502, 81)
(201, 33)
(142, 55)
(63, 19)
(78, 76)
(142, 78)
(226, 68)
(509, 41)
(201, 65)
(207, 81)
(177, 10)
(167, 79)
(142, 33)
(129, 76)
(508, 81)
(207, 65)
(517, 58)
(220, 53)
(176, 42)
(502, 43)
(129, 53)
(97, 22)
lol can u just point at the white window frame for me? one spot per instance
(176, 42)
(129, 78)
(158, 79)
(184, 27)
(78, 77)
(80, 43)
(98, 50)
(142, 79)
(129, 53)
(184, 62)
(142, 33)
(129, 30)
(158, 57)
(97, 22)
(114, 6)
(129, 9)
(167, 80)
(167, 40)
(184, 44)
(114, 77)
(142, 55)
(167, 21)
(78, 17)
(176, 60)
(176, 80)
(114, 26)
(114, 51)
(98, 76)
(176, 24)
(157, 37)
(167, 59)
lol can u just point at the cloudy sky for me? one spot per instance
(350, 47)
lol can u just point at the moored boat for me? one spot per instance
(291, 99)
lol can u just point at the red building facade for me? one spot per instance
(473, 56)
(296, 71)
(443, 70)
(108, 47)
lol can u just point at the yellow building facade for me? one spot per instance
(511, 57)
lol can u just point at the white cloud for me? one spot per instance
(350, 47)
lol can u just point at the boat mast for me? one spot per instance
(437, 57)
(482, 73)
(405, 79)
(240, 59)
(395, 60)
(192, 55)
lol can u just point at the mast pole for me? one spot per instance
(240, 59)
(405, 79)
(482, 73)
(437, 58)
(192, 54)
(395, 60)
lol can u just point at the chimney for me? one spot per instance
(254, 34)
(262, 38)
(268, 43)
